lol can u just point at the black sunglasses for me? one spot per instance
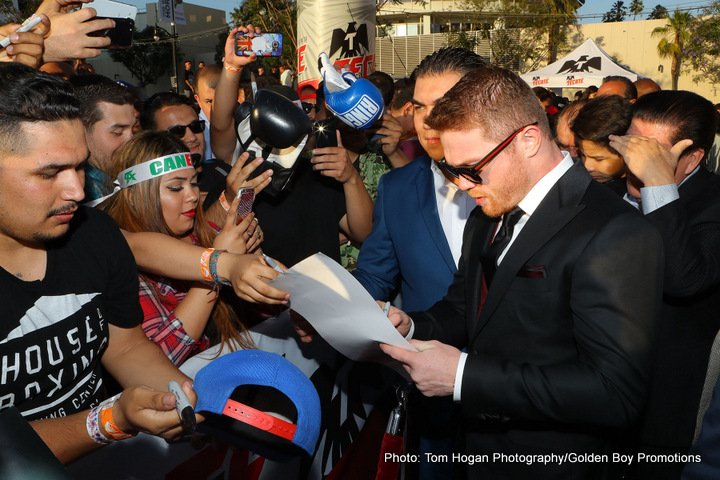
(308, 107)
(472, 173)
(196, 126)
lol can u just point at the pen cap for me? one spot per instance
(261, 402)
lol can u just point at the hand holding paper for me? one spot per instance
(341, 310)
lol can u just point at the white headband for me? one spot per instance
(148, 170)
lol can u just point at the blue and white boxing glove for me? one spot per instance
(357, 102)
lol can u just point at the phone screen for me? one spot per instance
(247, 197)
(263, 45)
(325, 133)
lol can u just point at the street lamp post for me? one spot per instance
(174, 81)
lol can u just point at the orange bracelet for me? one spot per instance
(230, 68)
(205, 265)
(223, 201)
(108, 426)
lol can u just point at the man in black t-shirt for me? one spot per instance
(68, 285)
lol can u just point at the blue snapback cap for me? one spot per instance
(216, 382)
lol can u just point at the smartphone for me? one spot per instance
(263, 45)
(121, 36)
(247, 197)
(325, 133)
(124, 17)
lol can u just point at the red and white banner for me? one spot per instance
(344, 29)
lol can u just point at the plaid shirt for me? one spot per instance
(159, 298)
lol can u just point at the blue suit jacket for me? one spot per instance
(407, 244)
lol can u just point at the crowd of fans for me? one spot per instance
(122, 255)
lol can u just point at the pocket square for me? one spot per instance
(532, 271)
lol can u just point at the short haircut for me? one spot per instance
(29, 96)
(448, 59)
(404, 89)
(602, 117)
(630, 91)
(92, 89)
(385, 84)
(543, 94)
(210, 75)
(492, 98)
(570, 113)
(157, 102)
(687, 113)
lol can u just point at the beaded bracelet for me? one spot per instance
(213, 268)
(100, 424)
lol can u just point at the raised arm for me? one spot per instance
(222, 124)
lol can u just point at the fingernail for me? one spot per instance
(9, 50)
(14, 37)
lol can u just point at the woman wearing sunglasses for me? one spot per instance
(159, 193)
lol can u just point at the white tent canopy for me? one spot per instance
(587, 65)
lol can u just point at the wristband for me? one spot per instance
(100, 424)
(108, 426)
(223, 201)
(213, 268)
(230, 68)
(205, 265)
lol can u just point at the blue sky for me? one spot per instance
(591, 7)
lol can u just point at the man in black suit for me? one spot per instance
(668, 139)
(558, 337)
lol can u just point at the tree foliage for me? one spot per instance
(658, 12)
(543, 22)
(272, 16)
(617, 12)
(147, 59)
(703, 49)
(636, 8)
(674, 39)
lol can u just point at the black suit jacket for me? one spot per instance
(559, 357)
(690, 229)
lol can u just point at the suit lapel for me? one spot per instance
(557, 209)
(425, 190)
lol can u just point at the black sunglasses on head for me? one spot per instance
(196, 126)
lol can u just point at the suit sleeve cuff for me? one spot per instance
(653, 198)
(457, 389)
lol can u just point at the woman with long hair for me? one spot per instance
(159, 193)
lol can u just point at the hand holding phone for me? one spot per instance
(262, 45)
(124, 17)
(247, 197)
(325, 133)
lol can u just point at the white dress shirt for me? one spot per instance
(454, 207)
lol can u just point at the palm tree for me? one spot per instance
(636, 8)
(675, 36)
(564, 14)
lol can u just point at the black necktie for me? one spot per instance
(489, 258)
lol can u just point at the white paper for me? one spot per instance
(340, 309)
